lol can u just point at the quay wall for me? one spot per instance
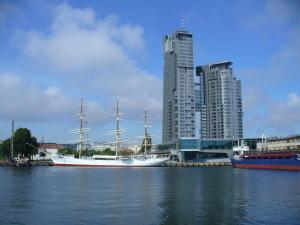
(28, 163)
(195, 164)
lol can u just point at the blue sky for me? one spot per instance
(53, 52)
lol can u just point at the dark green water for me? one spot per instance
(219, 195)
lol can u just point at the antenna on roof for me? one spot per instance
(182, 24)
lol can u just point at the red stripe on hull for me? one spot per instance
(273, 167)
(83, 165)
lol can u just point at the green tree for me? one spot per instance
(147, 143)
(84, 152)
(107, 151)
(5, 149)
(24, 144)
(65, 151)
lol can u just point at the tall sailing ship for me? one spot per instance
(145, 160)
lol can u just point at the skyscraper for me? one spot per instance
(178, 99)
(219, 101)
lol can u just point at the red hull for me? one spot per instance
(274, 167)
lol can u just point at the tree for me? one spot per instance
(65, 151)
(147, 143)
(5, 149)
(24, 144)
(84, 152)
(108, 151)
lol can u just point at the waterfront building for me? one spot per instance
(197, 149)
(101, 146)
(178, 90)
(291, 142)
(50, 148)
(219, 101)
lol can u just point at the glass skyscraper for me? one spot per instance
(219, 102)
(179, 91)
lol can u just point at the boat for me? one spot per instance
(265, 159)
(145, 160)
(149, 161)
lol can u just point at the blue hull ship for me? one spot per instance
(279, 160)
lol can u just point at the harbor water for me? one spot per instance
(197, 195)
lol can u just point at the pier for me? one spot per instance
(195, 164)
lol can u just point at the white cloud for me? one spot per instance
(24, 101)
(278, 76)
(97, 55)
(286, 113)
(265, 114)
(68, 17)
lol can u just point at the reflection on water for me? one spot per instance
(203, 196)
(220, 195)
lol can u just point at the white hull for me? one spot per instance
(126, 162)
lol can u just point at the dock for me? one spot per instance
(28, 163)
(196, 164)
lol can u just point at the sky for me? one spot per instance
(54, 52)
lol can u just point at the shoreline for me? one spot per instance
(167, 164)
(28, 163)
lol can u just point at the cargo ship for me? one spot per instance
(277, 160)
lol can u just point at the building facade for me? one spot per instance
(50, 148)
(197, 149)
(101, 146)
(178, 92)
(291, 142)
(219, 102)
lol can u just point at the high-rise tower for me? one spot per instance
(220, 101)
(178, 99)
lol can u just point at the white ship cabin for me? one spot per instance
(105, 157)
(239, 150)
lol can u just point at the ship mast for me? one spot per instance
(147, 136)
(81, 143)
(81, 131)
(145, 132)
(118, 132)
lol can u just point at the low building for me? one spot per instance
(291, 142)
(127, 150)
(134, 148)
(101, 146)
(49, 147)
(195, 149)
